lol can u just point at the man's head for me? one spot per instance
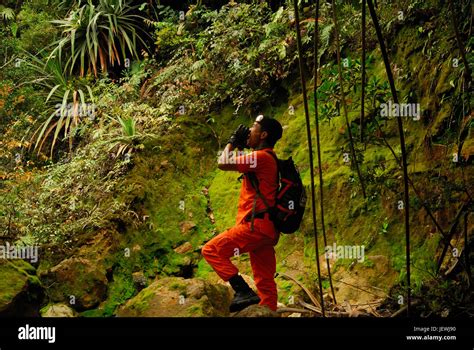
(264, 132)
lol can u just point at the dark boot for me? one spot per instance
(244, 295)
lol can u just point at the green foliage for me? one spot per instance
(70, 198)
(119, 291)
(218, 65)
(35, 29)
(100, 34)
(129, 134)
(6, 13)
(66, 100)
(252, 46)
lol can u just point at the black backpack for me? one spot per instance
(290, 203)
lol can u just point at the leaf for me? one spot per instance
(6, 13)
(93, 35)
(14, 29)
(282, 51)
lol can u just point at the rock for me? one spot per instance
(184, 248)
(20, 289)
(100, 247)
(76, 281)
(178, 297)
(58, 310)
(139, 280)
(257, 311)
(376, 271)
(186, 226)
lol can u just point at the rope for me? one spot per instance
(320, 170)
(402, 146)
(362, 97)
(311, 167)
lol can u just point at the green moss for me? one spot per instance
(203, 269)
(180, 287)
(224, 194)
(195, 310)
(140, 302)
(15, 276)
(120, 290)
(368, 263)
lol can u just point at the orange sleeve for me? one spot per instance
(248, 162)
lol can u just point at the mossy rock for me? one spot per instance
(77, 281)
(58, 310)
(20, 289)
(179, 297)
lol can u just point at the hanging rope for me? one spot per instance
(402, 146)
(451, 233)
(362, 97)
(318, 143)
(343, 100)
(311, 167)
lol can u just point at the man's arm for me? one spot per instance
(223, 162)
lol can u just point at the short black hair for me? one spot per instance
(272, 127)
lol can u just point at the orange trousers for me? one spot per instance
(260, 246)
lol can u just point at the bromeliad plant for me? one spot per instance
(129, 140)
(99, 35)
(126, 141)
(102, 35)
(68, 100)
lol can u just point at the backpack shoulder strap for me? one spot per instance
(254, 182)
(273, 155)
(277, 164)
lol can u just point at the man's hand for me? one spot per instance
(225, 159)
(238, 139)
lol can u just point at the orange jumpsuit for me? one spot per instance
(240, 239)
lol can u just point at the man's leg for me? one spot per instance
(235, 241)
(263, 263)
(232, 242)
(218, 252)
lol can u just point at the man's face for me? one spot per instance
(256, 136)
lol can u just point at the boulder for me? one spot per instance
(77, 281)
(100, 247)
(20, 289)
(58, 310)
(178, 297)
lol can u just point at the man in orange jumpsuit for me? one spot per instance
(260, 241)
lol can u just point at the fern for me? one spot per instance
(6, 13)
